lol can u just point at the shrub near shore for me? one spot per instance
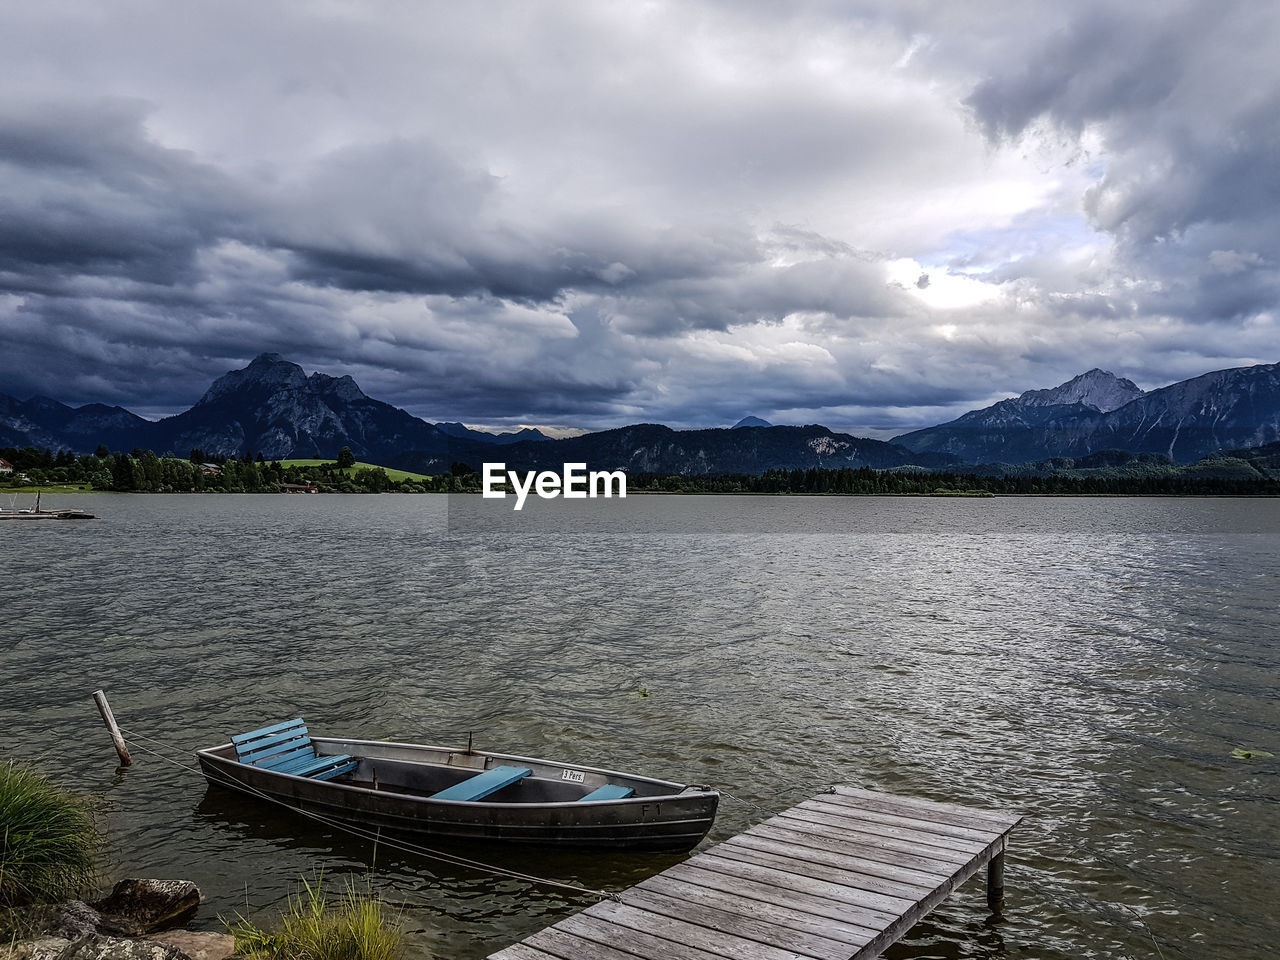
(312, 928)
(48, 839)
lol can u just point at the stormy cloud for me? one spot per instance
(873, 216)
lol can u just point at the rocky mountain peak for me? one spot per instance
(339, 388)
(1099, 389)
(751, 422)
(272, 407)
(1230, 409)
(267, 370)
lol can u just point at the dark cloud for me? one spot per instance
(872, 214)
(1109, 60)
(86, 192)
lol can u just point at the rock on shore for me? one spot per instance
(121, 926)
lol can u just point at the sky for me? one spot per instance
(870, 215)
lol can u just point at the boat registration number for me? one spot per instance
(574, 776)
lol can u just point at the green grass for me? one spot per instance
(396, 475)
(48, 839)
(353, 928)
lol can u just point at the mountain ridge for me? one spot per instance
(656, 448)
(462, 431)
(1237, 407)
(272, 407)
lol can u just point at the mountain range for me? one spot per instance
(1185, 421)
(274, 408)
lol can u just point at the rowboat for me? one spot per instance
(460, 793)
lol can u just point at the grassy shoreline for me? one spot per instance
(392, 474)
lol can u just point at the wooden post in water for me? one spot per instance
(995, 884)
(104, 708)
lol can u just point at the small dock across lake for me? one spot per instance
(839, 877)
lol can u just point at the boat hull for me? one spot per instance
(46, 515)
(661, 816)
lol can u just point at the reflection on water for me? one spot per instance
(1091, 663)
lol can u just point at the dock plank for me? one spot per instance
(643, 943)
(868, 860)
(841, 876)
(941, 812)
(779, 912)
(910, 820)
(893, 896)
(564, 945)
(884, 908)
(914, 835)
(753, 926)
(727, 943)
(798, 900)
(522, 951)
(889, 878)
(813, 834)
(948, 859)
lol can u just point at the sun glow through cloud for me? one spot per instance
(939, 289)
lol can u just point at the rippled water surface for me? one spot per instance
(1090, 663)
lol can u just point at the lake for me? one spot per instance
(1091, 663)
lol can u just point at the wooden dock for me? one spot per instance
(839, 877)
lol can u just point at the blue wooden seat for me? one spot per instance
(287, 748)
(483, 784)
(610, 791)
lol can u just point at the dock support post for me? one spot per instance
(104, 708)
(995, 884)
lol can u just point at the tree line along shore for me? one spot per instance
(142, 471)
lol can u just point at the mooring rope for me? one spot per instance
(364, 833)
(745, 803)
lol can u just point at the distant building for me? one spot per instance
(210, 468)
(299, 488)
(5, 466)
